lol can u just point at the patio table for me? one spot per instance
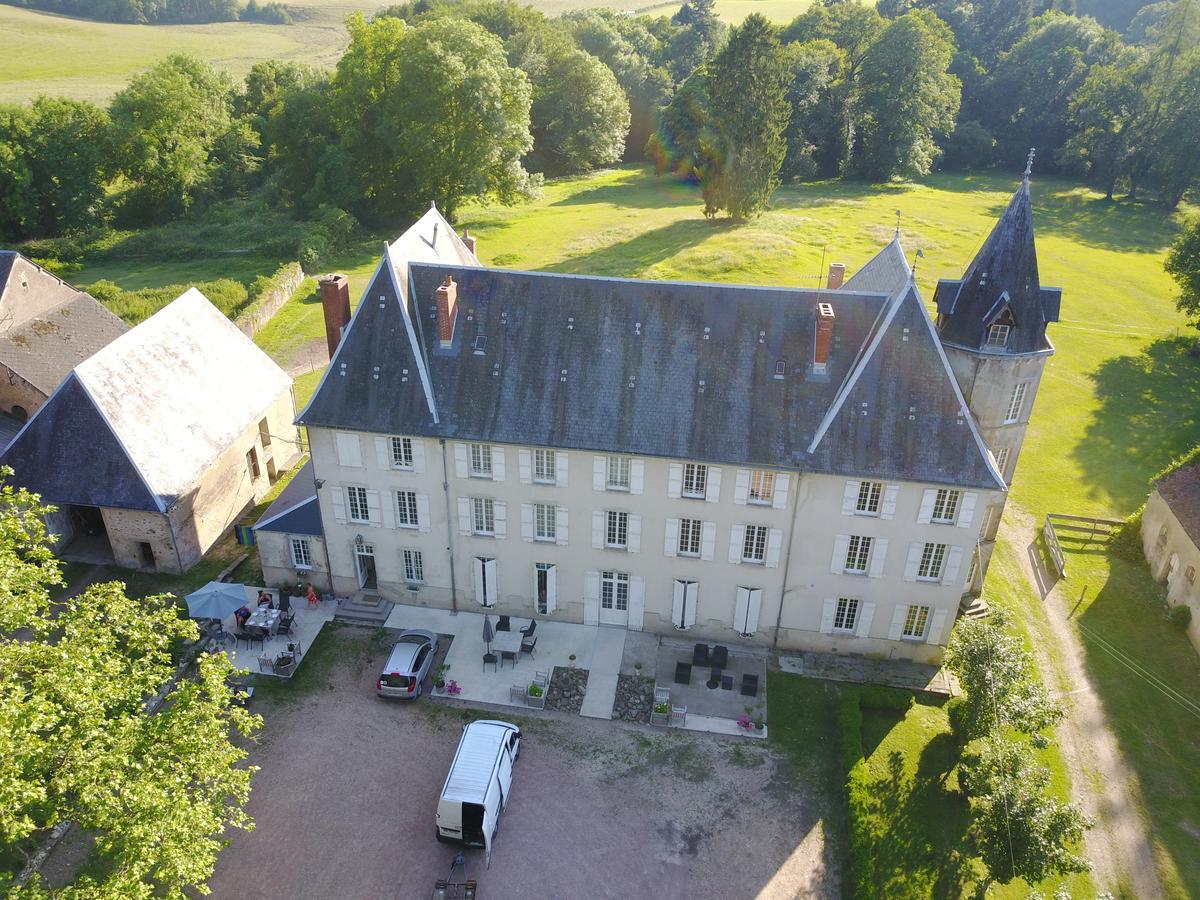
(507, 641)
(263, 617)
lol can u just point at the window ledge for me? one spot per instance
(855, 573)
(754, 562)
(616, 489)
(921, 580)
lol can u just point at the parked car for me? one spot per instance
(407, 665)
(477, 788)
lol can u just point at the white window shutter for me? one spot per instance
(637, 476)
(737, 537)
(753, 610)
(493, 587)
(597, 529)
(418, 453)
(675, 481)
(671, 538)
(841, 544)
(373, 510)
(637, 602)
(635, 533)
(774, 543)
(953, 565)
(966, 512)
(349, 449)
(741, 487)
(850, 497)
(460, 460)
(551, 589)
(497, 463)
(913, 563)
(389, 510)
(925, 515)
(464, 516)
(712, 487)
(591, 598)
(339, 504)
(424, 522)
(477, 570)
(897, 625)
(690, 603)
(866, 612)
(936, 626)
(561, 468)
(782, 483)
(525, 465)
(677, 601)
(740, 607)
(708, 540)
(500, 516)
(560, 526)
(887, 509)
(599, 472)
(879, 548)
(827, 614)
(383, 452)
(527, 521)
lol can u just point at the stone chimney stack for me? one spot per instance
(335, 301)
(823, 338)
(468, 240)
(447, 309)
(837, 275)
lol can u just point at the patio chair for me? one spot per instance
(285, 602)
(749, 685)
(700, 655)
(541, 678)
(714, 678)
(510, 655)
(683, 673)
(266, 664)
(527, 645)
(529, 629)
(490, 658)
(517, 693)
(254, 633)
(287, 622)
(720, 656)
(661, 694)
(678, 716)
(727, 682)
(504, 624)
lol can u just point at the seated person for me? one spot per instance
(242, 614)
(265, 598)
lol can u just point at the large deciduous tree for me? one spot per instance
(814, 124)
(1183, 264)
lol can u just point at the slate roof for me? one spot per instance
(887, 272)
(295, 510)
(139, 423)
(1181, 492)
(1005, 264)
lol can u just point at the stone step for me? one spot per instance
(363, 609)
(977, 609)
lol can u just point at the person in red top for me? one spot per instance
(311, 595)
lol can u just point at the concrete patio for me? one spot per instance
(717, 709)
(309, 622)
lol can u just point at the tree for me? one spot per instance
(907, 96)
(16, 201)
(1104, 114)
(812, 133)
(77, 742)
(432, 112)
(1183, 264)
(683, 141)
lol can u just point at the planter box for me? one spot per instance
(535, 702)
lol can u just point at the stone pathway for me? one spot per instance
(860, 670)
(605, 667)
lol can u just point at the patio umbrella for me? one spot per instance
(216, 600)
(487, 631)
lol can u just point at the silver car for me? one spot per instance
(407, 665)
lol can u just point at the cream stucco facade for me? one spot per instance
(1174, 559)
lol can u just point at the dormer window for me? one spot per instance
(998, 335)
(1001, 327)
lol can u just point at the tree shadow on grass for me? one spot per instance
(639, 189)
(1149, 414)
(627, 258)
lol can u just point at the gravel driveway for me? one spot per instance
(345, 802)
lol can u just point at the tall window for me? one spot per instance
(545, 470)
(484, 509)
(845, 616)
(868, 498)
(1016, 403)
(617, 478)
(916, 620)
(545, 528)
(973, 571)
(406, 509)
(264, 432)
(414, 567)
(945, 506)
(762, 486)
(402, 453)
(614, 590)
(695, 478)
(357, 504)
(858, 554)
(998, 336)
(301, 553)
(481, 460)
(1002, 461)
(754, 544)
(616, 533)
(932, 558)
(252, 462)
(689, 537)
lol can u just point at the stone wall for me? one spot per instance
(16, 391)
(128, 528)
(264, 307)
(274, 553)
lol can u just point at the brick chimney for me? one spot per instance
(822, 339)
(335, 301)
(468, 240)
(837, 275)
(447, 309)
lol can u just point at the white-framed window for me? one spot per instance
(406, 509)
(545, 467)
(616, 532)
(867, 503)
(754, 544)
(762, 487)
(916, 620)
(617, 473)
(252, 463)
(614, 590)
(695, 480)
(1015, 404)
(402, 452)
(945, 506)
(545, 526)
(858, 554)
(1002, 460)
(689, 537)
(356, 504)
(483, 511)
(301, 553)
(481, 460)
(414, 567)
(845, 616)
(998, 335)
(933, 556)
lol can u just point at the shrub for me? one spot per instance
(1127, 541)
(959, 713)
(1180, 616)
(850, 727)
(227, 295)
(887, 698)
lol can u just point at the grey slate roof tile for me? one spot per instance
(295, 510)
(1181, 492)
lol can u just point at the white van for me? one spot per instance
(477, 787)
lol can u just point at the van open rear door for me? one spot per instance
(489, 826)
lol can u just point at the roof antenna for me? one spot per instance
(913, 273)
(897, 224)
(1029, 162)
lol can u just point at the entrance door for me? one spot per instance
(545, 589)
(364, 555)
(146, 555)
(486, 585)
(614, 598)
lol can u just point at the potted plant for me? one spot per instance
(745, 723)
(452, 688)
(535, 696)
(661, 713)
(572, 659)
(439, 678)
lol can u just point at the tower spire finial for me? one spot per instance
(897, 223)
(1029, 162)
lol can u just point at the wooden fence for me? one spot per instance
(1077, 528)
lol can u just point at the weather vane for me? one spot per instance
(897, 223)
(1029, 161)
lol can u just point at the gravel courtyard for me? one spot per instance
(344, 805)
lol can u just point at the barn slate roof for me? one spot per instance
(295, 510)
(886, 272)
(1181, 492)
